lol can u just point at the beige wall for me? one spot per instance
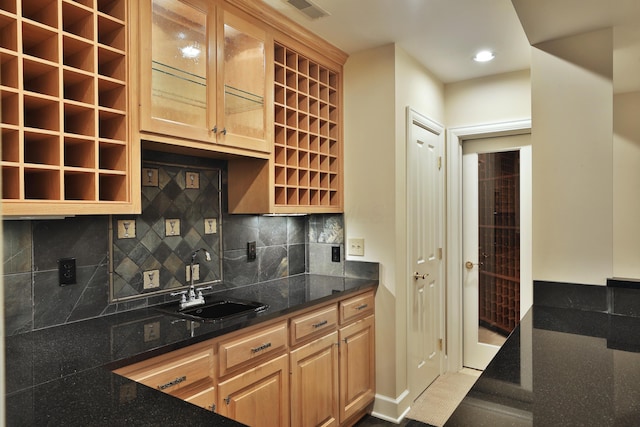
(379, 84)
(500, 98)
(626, 191)
(369, 190)
(572, 116)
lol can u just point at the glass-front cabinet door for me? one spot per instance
(177, 82)
(203, 75)
(242, 89)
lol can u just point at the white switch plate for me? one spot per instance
(355, 247)
(151, 279)
(196, 272)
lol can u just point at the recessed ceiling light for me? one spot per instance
(484, 56)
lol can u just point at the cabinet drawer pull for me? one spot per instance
(172, 383)
(362, 307)
(260, 348)
(321, 323)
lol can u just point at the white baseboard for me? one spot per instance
(390, 409)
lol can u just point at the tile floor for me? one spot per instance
(369, 421)
(490, 337)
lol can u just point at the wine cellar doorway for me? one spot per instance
(499, 241)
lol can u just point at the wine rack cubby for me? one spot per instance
(499, 240)
(307, 138)
(63, 86)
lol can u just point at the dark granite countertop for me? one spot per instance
(564, 365)
(62, 375)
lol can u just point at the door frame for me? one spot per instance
(454, 261)
(439, 130)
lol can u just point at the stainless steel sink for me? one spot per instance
(216, 310)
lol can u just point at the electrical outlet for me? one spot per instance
(151, 279)
(335, 253)
(356, 247)
(196, 272)
(251, 251)
(67, 271)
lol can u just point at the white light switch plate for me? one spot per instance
(355, 247)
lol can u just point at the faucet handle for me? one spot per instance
(199, 290)
(183, 298)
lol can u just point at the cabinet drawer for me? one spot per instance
(252, 346)
(174, 371)
(356, 307)
(313, 324)
(202, 394)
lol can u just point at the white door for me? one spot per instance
(424, 237)
(496, 229)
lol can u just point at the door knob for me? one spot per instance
(469, 265)
(417, 275)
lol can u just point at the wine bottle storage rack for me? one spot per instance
(307, 145)
(499, 240)
(63, 86)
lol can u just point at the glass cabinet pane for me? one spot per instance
(179, 63)
(244, 83)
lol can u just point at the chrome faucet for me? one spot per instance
(193, 296)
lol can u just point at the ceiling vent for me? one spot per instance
(309, 9)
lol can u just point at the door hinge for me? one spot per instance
(439, 162)
(440, 344)
(439, 253)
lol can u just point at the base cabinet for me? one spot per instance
(258, 397)
(314, 383)
(357, 367)
(187, 374)
(313, 367)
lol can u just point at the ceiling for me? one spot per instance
(445, 34)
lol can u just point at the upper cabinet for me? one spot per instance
(203, 79)
(238, 80)
(66, 148)
(305, 171)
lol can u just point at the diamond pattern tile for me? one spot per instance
(152, 248)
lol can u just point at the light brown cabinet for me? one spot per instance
(305, 174)
(314, 383)
(314, 367)
(259, 396)
(357, 367)
(187, 373)
(248, 349)
(203, 77)
(333, 376)
(66, 147)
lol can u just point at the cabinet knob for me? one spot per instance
(224, 131)
(215, 129)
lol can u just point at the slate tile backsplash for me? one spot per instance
(180, 214)
(33, 299)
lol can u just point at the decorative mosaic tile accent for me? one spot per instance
(173, 224)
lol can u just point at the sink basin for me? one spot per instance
(216, 310)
